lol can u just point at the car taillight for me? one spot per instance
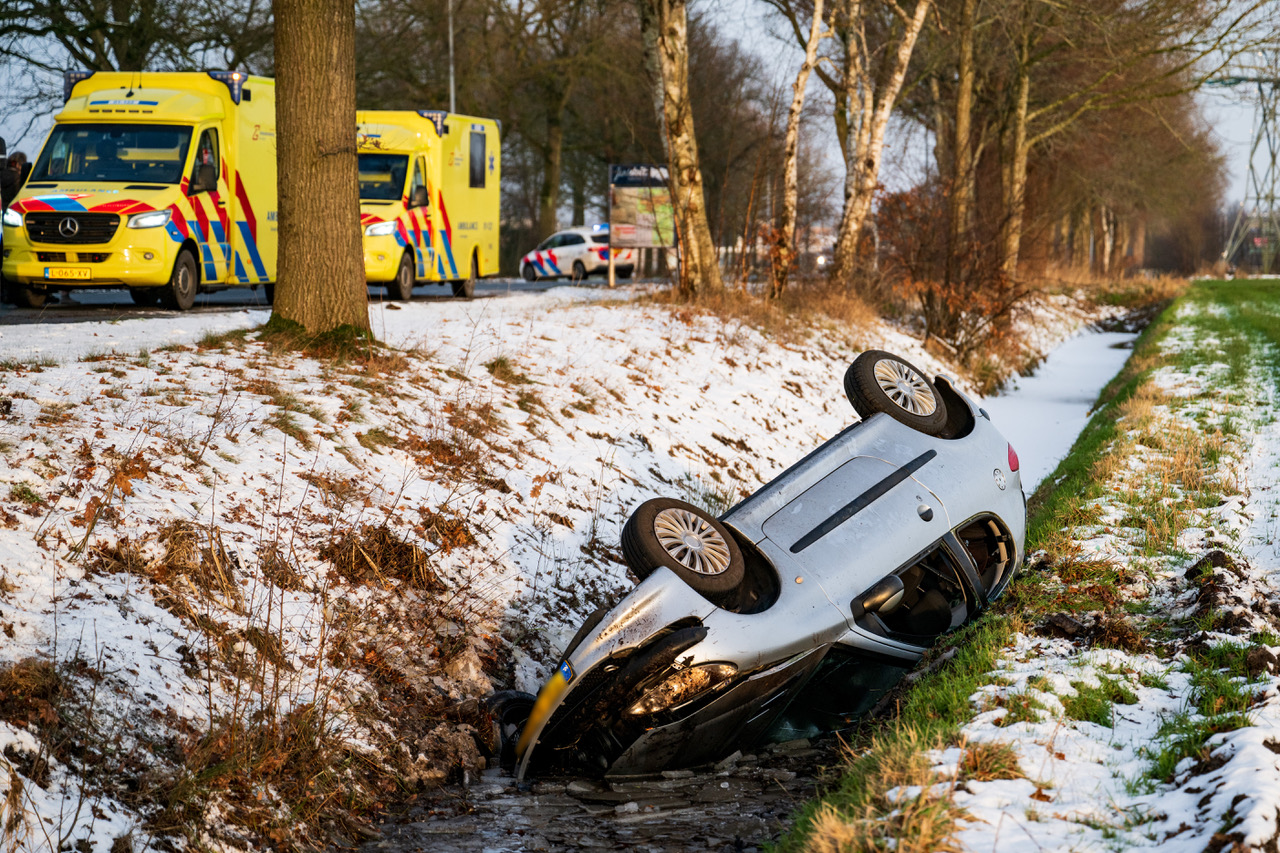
(1013, 459)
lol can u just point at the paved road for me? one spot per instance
(98, 305)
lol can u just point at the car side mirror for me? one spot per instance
(883, 597)
(206, 179)
(420, 197)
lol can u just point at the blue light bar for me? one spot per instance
(233, 79)
(69, 81)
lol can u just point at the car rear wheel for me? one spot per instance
(467, 289)
(685, 539)
(529, 273)
(180, 294)
(579, 271)
(880, 382)
(402, 288)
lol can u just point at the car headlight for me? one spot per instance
(682, 686)
(150, 219)
(380, 229)
(12, 218)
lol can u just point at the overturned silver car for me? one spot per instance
(800, 607)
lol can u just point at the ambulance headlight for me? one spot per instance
(12, 218)
(150, 219)
(380, 229)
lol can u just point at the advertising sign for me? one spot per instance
(640, 211)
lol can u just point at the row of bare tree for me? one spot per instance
(1064, 132)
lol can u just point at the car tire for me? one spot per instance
(661, 532)
(180, 293)
(145, 296)
(269, 292)
(505, 713)
(624, 272)
(29, 297)
(880, 382)
(401, 289)
(579, 271)
(467, 289)
(528, 273)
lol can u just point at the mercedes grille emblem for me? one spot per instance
(69, 227)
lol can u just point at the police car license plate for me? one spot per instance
(68, 273)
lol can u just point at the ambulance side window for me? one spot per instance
(418, 195)
(477, 160)
(207, 165)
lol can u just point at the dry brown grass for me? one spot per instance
(378, 556)
(804, 305)
(987, 761)
(921, 824)
(28, 691)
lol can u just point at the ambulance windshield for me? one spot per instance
(125, 153)
(382, 176)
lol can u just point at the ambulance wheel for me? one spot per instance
(269, 292)
(579, 271)
(145, 295)
(180, 294)
(467, 289)
(28, 297)
(402, 287)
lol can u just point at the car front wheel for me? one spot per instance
(180, 295)
(880, 382)
(528, 273)
(402, 288)
(685, 539)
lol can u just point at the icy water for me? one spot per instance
(746, 801)
(1043, 413)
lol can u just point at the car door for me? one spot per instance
(208, 197)
(418, 221)
(572, 248)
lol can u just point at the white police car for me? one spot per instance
(575, 254)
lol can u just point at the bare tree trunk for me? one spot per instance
(1015, 183)
(872, 107)
(321, 283)
(962, 185)
(552, 161)
(784, 241)
(699, 264)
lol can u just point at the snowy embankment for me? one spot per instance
(1154, 721)
(222, 561)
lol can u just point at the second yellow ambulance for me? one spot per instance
(429, 199)
(161, 182)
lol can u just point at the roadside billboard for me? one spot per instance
(640, 211)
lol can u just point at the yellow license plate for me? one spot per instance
(68, 273)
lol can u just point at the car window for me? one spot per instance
(602, 239)
(549, 243)
(206, 155)
(572, 240)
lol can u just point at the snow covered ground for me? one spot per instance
(189, 527)
(1183, 753)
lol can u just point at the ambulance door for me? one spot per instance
(418, 210)
(207, 195)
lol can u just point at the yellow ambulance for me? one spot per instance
(429, 199)
(164, 183)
